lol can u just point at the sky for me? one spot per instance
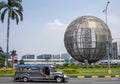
(45, 21)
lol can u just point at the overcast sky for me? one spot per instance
(45, 21)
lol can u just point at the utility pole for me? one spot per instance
(107, 42)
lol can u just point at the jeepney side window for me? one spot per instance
(41, 70)
(25, 69)
(34, 70)
(18, 69)
(46, 70)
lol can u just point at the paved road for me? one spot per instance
(9, 80)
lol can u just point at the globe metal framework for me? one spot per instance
(86, 38)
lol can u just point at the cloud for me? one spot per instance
(56, 22)
(52, 37)
(56, 25)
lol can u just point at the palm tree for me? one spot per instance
(13, 54)
(13, 9)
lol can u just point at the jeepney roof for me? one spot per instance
(32, 65)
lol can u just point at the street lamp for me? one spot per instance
(107, 42)
(105, 11)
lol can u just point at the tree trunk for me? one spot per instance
(8, 29)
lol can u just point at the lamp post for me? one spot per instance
(107, 42)
(105, 11)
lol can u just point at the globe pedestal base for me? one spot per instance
(109, 71)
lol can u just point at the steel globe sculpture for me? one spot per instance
(85, 39)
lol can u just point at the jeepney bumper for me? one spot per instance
(66, 78)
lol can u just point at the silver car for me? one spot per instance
(38, 72)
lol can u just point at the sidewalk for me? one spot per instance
(115, 76)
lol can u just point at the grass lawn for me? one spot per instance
(80, 72)
(94, 72)
(6, 74)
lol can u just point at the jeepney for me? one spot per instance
(38, 72)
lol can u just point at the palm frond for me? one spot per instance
(13, 52)
(12, 15)
(19, 1)
(19, 13)
(15, 3)
(17, 6)
(16, 17)
(3, 5)
(3, 14)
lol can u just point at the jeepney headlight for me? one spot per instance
(65, 76)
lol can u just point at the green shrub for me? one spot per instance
(59, 66)
(70, 71)
(6, 70)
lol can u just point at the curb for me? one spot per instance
(115, 76)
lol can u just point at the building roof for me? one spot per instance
(32, 65)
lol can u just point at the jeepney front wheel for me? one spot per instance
(25, 79)
(59, 79)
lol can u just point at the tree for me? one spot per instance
(1, 51)
(13, 9)
(2, 57)
(21, 61)
(13, 52)
(2, 60)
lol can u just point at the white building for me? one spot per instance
(47, 59)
